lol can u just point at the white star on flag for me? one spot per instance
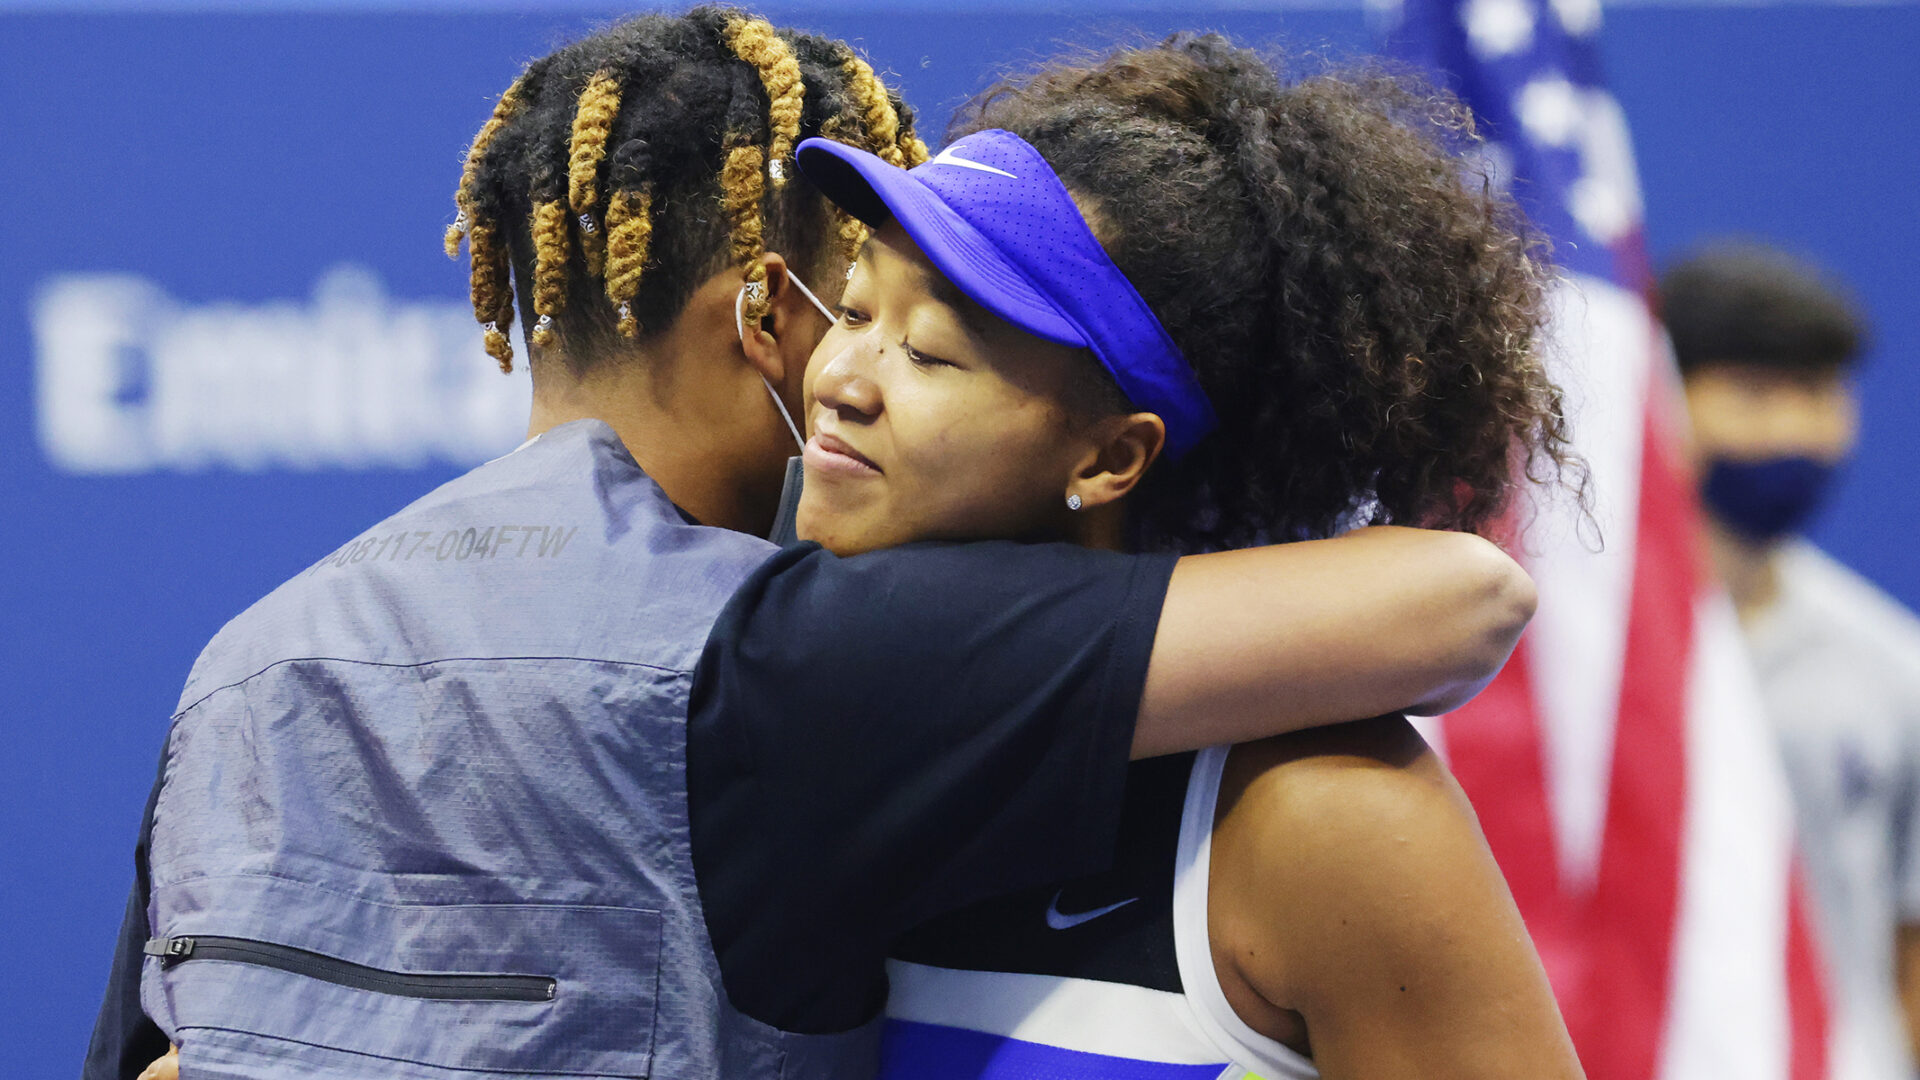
(1577, 17)
(1550, 109)
(1498, 27)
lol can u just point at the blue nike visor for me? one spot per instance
(992, 217)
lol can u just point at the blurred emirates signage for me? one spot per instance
(131, 381)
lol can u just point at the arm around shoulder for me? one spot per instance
(1351, 889)
(1269, 640)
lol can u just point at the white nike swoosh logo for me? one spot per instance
(1067, 922)
(948, 157)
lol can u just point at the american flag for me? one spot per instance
(1621, 766)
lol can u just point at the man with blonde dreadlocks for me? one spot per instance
(638, 186)
(437, 808)
(640, 182)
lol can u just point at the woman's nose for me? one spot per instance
(846, 382)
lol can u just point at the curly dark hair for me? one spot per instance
(620, 171)
(1363, 312)
(1747, 303)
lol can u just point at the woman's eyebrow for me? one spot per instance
(947, 294)
(978, 320)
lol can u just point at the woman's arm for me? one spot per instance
(1275, 639)
(1351, 890)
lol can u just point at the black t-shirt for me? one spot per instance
(879, 739)
(872, 741)
(1131, 944)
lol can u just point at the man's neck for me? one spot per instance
(1746, 568)
(676, 432)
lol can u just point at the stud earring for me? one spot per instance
(1073, 502)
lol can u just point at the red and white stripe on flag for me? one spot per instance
(1622, 770)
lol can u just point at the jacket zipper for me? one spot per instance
(346, 973)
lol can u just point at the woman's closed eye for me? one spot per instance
(922, 360)
(850, 316)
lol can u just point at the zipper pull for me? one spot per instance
(169, 949)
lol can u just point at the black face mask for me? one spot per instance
(1766, 499)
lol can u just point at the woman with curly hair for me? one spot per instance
(1167, 301)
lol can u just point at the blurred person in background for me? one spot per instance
(1767, 348)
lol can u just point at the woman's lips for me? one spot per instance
(831, 454)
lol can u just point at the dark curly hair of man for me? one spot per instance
(620, 171)
(1363, 310)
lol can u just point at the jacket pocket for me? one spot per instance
(530, 989)
(332, 969)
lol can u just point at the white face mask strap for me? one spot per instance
(784, 414)
(740, 324)
(808, 293)
(758, 290)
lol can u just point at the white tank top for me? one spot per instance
(1106, 978)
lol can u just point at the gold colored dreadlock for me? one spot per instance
(882, 120)
(913, 150)
(629, 230)
(592, 124)
(742, 183)
(873, 123)
(492, 289)
(851, 232)
(503, 112)
(549, 266)
(490, 275)
(759, 44)
(742, 187)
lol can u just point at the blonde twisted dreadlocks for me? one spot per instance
(619, 172)
(504, 111)
(882, 116)
(761, 46)
(875, 124)
(592, 122)
(743, 190)
(491, 284)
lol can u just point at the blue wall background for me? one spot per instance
(234, 158)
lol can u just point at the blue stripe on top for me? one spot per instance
(915, 1051)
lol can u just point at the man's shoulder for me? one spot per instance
(1826, 596)
(561, 548)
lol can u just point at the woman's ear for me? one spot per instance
(1124, 447)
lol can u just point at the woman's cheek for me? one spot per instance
(832, 343)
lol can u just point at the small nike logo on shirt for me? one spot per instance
(948, 157)
(1058, 921)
